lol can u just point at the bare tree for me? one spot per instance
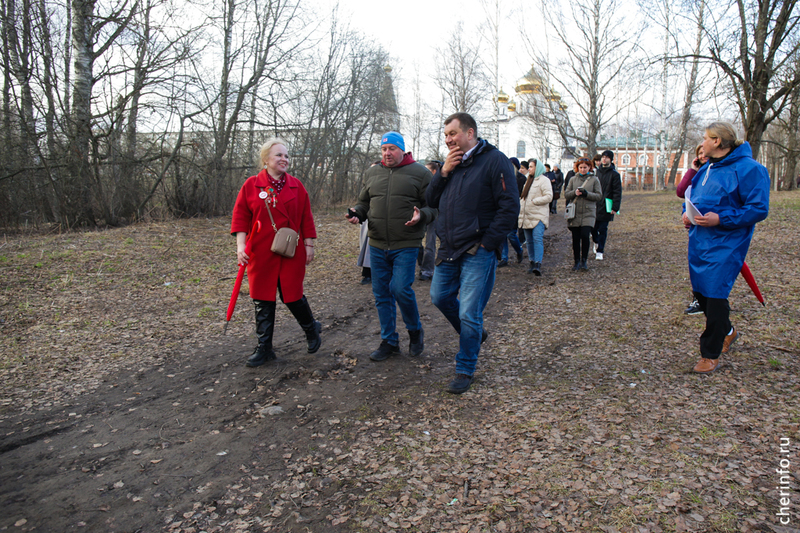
(691, 89)
(92, 35)
(350, 104)
(755, 55)
(257, 51)
(460, 73)
(595, 57)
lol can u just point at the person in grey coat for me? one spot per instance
(584, 191)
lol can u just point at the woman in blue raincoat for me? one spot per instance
(731, 191)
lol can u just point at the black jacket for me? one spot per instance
(521, 179)
(612, 188)
(560, 184)
(567, 178)
(478, 203)
(555, 182)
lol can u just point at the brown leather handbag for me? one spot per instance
(286, 239)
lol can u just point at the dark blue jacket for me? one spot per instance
(478, 203)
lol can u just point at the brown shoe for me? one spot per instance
(706, 366)
(729, 340)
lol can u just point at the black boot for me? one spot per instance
(537, 269)
(584, 265)
(416, 342)
(302, 313)
(265, 324)
(530, 268)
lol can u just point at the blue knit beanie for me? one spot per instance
(394, 138)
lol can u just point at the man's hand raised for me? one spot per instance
(415, 218)
(452, 161)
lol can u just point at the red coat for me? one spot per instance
(293, 210)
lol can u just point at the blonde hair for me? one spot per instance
(725, 132)
(697, 150)
(266, 147)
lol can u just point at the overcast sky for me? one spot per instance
(412, 30)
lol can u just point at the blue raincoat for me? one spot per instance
(737, 189)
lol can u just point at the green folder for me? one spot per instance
(609, 203)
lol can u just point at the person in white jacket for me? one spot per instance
(534, 213)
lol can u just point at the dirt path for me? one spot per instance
(582, 417)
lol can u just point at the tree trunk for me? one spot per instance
(80, 193)
(793, 144)
(691, 88)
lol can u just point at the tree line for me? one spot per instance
(120, 110)
(114, 111)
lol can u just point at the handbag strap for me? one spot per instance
(272, 220)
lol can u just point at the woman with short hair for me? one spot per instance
(732, 194)
(275, 199)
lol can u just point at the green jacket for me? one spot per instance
(585, 206)
(387, 201)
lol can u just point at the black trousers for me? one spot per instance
(718, 325)
(600, 234)
(580, 242)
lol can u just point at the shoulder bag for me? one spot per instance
(286, 239)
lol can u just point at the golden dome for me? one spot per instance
(532, 83)
(502, 97)
(512, 106)
(387, 69)
(554, 96)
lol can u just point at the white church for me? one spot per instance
(517, 132)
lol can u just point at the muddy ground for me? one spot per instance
(124, 408)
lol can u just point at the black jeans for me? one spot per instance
(599, 234)
(580, 242)
(718, 324)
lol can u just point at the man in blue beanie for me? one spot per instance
(393, 202)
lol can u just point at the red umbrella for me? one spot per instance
(748, 277)
(240, 276)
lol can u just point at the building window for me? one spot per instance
(626, 160)
(643, 160)
(521, 150)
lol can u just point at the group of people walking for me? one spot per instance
(593, 192)
(473, 202)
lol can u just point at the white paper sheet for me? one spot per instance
(691, 210)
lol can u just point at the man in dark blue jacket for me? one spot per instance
(478, 201)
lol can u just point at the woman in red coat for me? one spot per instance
(274, 190)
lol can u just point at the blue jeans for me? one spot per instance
(392, 276)
(473, 277)
(534, 238)
(599, 234)
(514, 242)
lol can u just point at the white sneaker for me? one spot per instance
(598, 256)
(594, 248)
